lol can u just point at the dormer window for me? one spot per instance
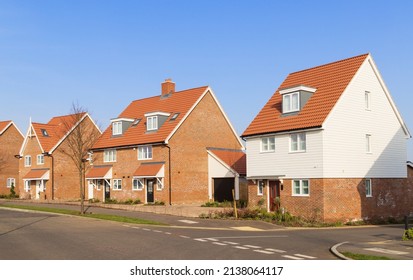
(152, 123)
(120, 125)
(155, 120)
(117, 128)
(291, 102)
(294, 98)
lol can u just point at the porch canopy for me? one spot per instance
(37, 174)
(100, 172)
(150, 170)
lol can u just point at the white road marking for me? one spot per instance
(264, 252)
(219, 243)
(147, 229)
(201, 240)
(168, 233)
(304, 256)
(188, 222)
(386, 251)
(241, 247)
(211, 239)
(231, 243)
(252, 246)
(158, 231)
(275, 250)
(291, 257)
(184, 236)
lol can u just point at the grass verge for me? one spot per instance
(364, 257)
(107, 217)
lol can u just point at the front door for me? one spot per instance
(90, 189)
(150, 191)
(107, 190)
(274, 192)
(38, 188)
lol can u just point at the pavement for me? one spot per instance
(184, 216)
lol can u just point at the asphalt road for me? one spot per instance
(41, 236)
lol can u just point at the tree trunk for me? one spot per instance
(82, 192)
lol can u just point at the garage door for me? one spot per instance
(223, 189)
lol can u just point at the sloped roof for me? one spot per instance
(178, 102)
(148, 169)
(235, 159)
(329, 80)
(56, 129)
(99, 172)
(40, 174)
(4, 125)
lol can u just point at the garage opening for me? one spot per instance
(223, 189)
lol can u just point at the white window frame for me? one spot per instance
(266, 145)
(260, 187)
(159, 184)
(368, 143)
(27, 161)
(301, 187)
(117, 128)
(11, 181)
(140, 184)
(369, 188)
(145, 152)
(289, 107)
(109, 155)
(301, 142)
(40, 159)
(117, 184)
(152, 123)
(27, 185)
(367, 100)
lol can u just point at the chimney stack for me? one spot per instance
(167, 87)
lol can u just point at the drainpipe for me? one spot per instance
(170, 173)
(51, 156)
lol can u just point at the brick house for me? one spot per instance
(46, 169)
(157, 150)
(331, 145)
(10, 141)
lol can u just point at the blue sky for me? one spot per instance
(104, 54)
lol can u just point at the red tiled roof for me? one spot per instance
(148, 169)
(56, 129)
(236, 159)
(178, 102)
(98, 172)
(330, 80)
(3, 125)
(37, 174)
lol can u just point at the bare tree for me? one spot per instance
(81, 134)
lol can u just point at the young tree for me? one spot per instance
(81, 133)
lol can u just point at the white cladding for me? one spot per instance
(349, 122)
(282, 162)
(338, 150)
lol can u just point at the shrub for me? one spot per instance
(408, 234)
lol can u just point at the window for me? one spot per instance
(368, 188)
(136, 122)
(367, 100)
(40, 159)
(368, 143)
(116, 128)
(301, 188)
(44, 133)
(117, 184)
(260, 187)
(109, 155)
(11, 182)
(159, 185)
(98, 184)
(137, 184)
(298, 142)
(144, 152)
(291, 102)
(27, 161)
(268, 144)
(152, 123)
(27, 185)
(174, 116)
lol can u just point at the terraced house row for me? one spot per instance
(329, 144)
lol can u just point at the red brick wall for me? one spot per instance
(10, 143)
(204, 127)
(255, 200)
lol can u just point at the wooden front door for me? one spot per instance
(150, 198)
(274, 192)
